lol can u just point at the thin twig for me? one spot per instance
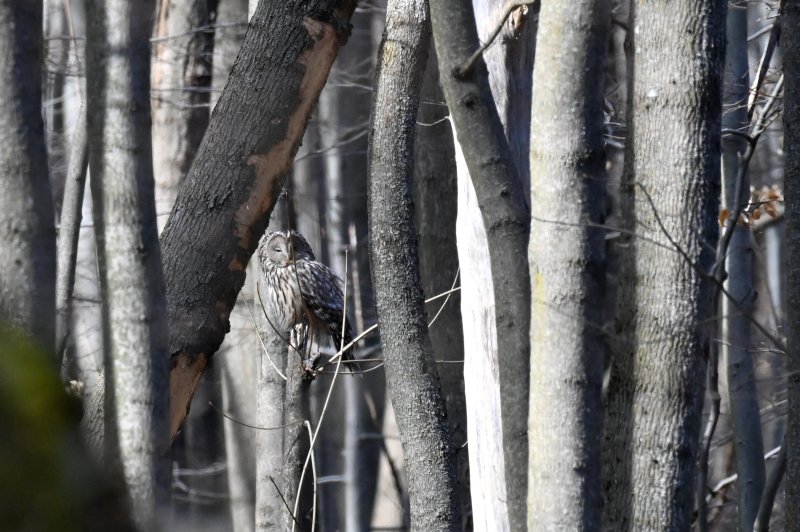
(771, 490)
(242, 423)
(712, 278)
(763, 66)
(258, 333)
(466, 69)
(711, 426)
(449, 292)
(307, 423)
(284, 502)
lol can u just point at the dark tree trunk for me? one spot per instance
(28, 258)
(501, 199)
(232, 186)
(655, 394)
(410, 370)
(790, 43)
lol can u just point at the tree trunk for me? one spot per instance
(69, 233)
(735, 345)
(510, 61)
(184, 44)
(790, 42)
(297, 489)
(656, 389)
(136, 405)
(436, 197)
(410, 371)
(28, 259)
(270, 511)
(501, 199)
(237, 365)
(567, 268)
(251, 141)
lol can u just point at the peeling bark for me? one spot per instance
(233, 184)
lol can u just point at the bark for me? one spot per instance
(790, 42)
(28, 260)
(69, 232)
(295, 448)
(735, 341)
(435, 194)
(135, 336)
(270, 511)
(656, 389)
(238, 368)
(510, 63)
(184, 44)
(410, 371)
(566, 254)
(251, 140)
(501, 199)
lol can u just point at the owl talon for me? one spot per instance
(310, 366)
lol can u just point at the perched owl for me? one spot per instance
(301, 289)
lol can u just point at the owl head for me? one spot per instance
(284, 247)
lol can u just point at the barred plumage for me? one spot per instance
(301, 289)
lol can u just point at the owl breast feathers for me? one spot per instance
(302, 290)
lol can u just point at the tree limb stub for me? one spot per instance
(233, 184)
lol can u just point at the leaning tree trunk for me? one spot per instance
(410, 371)
(656, 389)
(225, 202)
(566, 256)
(134, 318)
(505, 220)
(28, 259)
(790, 42)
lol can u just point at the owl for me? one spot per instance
(302, 290)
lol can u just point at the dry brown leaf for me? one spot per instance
(724, 214)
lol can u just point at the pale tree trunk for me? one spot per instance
(241, 352)
(181, 79)
(252, 138)
(69, 234)
(343, 117)
(28, 259)
(272, 364)
(497, 335)
(510, 61)
(134, 318)
(790, 42)
(273, 357)
(566, 255)
(736, 310)
(410, 370)
(656, 388)
(436, 198)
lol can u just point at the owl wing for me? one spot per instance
(321, 290)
